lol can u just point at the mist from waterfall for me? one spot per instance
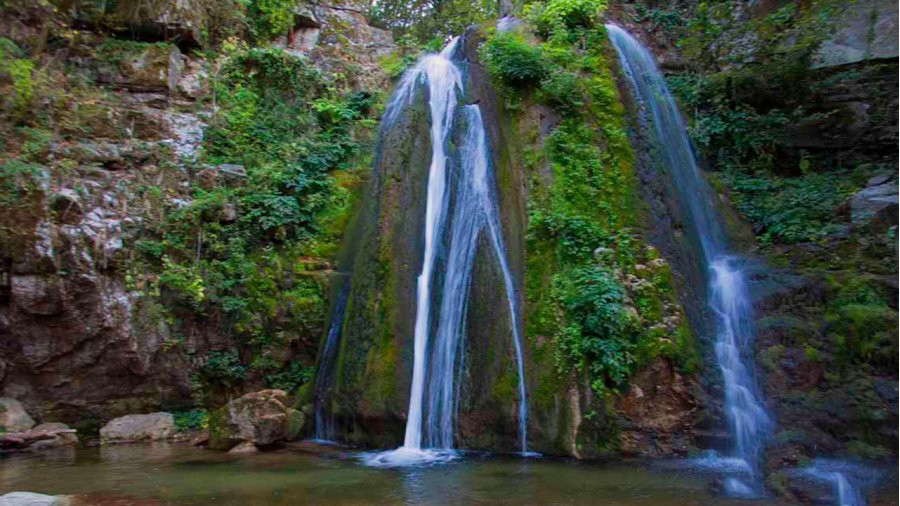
(727, 290)
(461, 205)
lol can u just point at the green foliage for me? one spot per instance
(18, 70)
(509, 58)
(195, 419)
(861, 325)
(424, 20)
(554, 16)
(223, 368)
(291, 377)
(271, 18)
(791, 210)
(249, 251)
(751, 91)
(19, 181)
(596, 292)
(601, 334)
(562, 89)
(667, 20)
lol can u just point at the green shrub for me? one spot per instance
(511, 60)
(196, 419)
(791, 210)
(602, 334)
(554, 16)
(223, 368)
(561, 88)
(292, 377)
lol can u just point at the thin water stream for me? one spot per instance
(727, 290)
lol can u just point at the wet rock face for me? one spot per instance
(131, 428)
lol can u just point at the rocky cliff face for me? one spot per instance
(117, 137)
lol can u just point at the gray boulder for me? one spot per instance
(29, 499)
(13, 417)
(130, 428)
(863, 31)
(875, 206)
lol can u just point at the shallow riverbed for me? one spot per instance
(310, 474)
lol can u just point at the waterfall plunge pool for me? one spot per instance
(305, 473)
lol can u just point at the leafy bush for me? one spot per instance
(196, 419)
(791, 210)
(223, 367)
(18, 70)
(601, 335)
(554, 16)
(510, 59)
(561, 88)
(291, 377)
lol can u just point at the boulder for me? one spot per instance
(863, 31)
(260, 418)
(296, 419)
(29, 499)
(62, 435)
(245, 448)
(875, 205)
(13, 417)
(130, 428)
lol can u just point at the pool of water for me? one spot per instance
(313, 474)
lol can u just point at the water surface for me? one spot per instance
(306, 474)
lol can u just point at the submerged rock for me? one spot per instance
(130, 428)
(13, 417)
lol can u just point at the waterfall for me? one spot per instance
(324, 423)
(847, 479)
(461, 204)
(727, 290)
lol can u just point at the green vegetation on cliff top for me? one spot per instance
(592, 285)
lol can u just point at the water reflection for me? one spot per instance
(310, 474)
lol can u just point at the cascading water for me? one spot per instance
(846, 479)
(728, 297)
(325, 430)
(468, 183)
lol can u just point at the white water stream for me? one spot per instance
(463, 205)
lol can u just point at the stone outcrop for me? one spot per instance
(255, 419)
(863, 30)
(46, 435)
(13, 417)
(659, 411)
(133, 428)
(876, 205)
